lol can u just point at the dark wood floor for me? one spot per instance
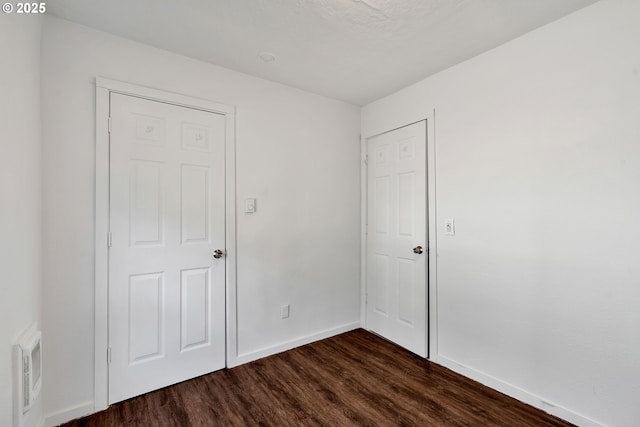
(354, 379)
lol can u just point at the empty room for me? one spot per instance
(320, 212)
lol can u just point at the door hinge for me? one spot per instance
(366, 159)
(109, 239)
(109, 124)
(108, 355)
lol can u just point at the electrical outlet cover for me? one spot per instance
(449, 227)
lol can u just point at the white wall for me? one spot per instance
(297, 153)
(538, 161)
(20, 195)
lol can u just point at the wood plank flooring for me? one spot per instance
(354, 379)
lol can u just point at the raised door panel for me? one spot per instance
(146, 207)
(146, 317)
(406, 204)
(195, 203)
(195, 310)
(381, 287)
(406, 291)
(382, 205)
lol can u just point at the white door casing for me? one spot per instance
(396, 276)
(167, 216)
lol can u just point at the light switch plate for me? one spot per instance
(284, 311)
(449, 227)
(250, 205)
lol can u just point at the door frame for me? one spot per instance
(104, 87)
(431, 317)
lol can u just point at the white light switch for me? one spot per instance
(284, 311)
(449, 227)
(250, 205)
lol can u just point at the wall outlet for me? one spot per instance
(449, 227)
(284, 311)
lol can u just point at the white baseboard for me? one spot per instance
(516, 393)
(69, 414)
(279, 348)
(87, 408)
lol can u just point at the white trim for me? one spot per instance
(230, 240)
(363, 231)
(431, 277)
(432, 234)
(163, 96)
(69, 414)
(101, 324)
(288, 345)
(517, 393)
(103, 89)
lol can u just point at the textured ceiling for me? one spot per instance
(354, 50)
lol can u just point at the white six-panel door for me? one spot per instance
(396, 233)
(167, 217)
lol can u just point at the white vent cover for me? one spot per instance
(28, 376)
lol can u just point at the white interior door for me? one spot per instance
(397, 236)
(167, 217)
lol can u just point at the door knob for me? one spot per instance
(417, 250)
(217, 254)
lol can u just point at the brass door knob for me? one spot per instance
(417, 250)
(217, 254)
